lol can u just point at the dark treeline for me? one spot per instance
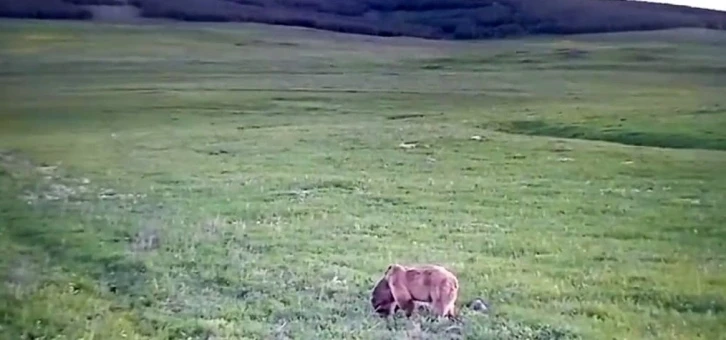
(447, 19)
(98, 2)
(42, 9)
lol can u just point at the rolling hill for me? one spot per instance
(435, 19)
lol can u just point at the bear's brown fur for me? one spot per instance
(410, 286)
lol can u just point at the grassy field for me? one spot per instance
(248, 182)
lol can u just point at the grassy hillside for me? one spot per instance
(225, 182)
(457, 19)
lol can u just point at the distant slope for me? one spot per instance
(440, 19)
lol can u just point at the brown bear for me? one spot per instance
(411, 286)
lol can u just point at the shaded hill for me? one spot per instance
(441, 19)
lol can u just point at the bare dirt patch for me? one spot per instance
(55, 185)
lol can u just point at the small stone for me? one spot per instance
(479, 305)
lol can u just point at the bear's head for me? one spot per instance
(382, 299)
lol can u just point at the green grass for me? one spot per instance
(243, 181)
